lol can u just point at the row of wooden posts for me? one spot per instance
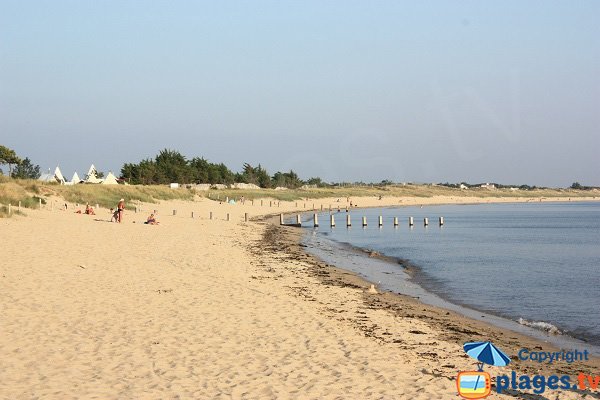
(411, 221)
(210, 215)
(10, 206)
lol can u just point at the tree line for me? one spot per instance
(172, 166)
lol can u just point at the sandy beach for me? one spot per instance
(196, 308)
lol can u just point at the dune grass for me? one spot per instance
(29, 193)
(422, 191)
(108, 196)
(11, 192)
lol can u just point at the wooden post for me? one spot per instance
(298, 220)
(316, 220)
(278, 204)
(313, 207)
(425, 221)
(280, 219)
(441, 221)
(348, 222)
(270, 203)
(192, 214)
(40, 204)
(136, 209)
(252, 201)
(296, 204)
(346, 208)
(227, 199)
(9, 208)
(364, 221)
(174, 212)
(305, 205)
(332, 221)
(411, 222)
(261, 202)
(227, 216)
(380, 221)
(321, 207)
(210, 215)
(395, 221)
(19, 206)
(245, 217)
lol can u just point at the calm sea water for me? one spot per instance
(536, 263)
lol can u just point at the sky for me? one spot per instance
(410, 91)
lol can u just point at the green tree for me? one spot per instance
(8, 156)
(172, 166)
(199, 168)
(26, 170)
(286, 179)
(262, 177)
(576, 185)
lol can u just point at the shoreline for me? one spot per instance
(449, 325)
(468, 311)
(432, 293)
(431, 298)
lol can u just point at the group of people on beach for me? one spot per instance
(89, 210)
(117, 213)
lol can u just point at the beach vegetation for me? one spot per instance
(8, 156)
(26, 170)
(171, 166)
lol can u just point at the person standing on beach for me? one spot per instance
(120, 210)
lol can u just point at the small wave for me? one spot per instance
(542, 326)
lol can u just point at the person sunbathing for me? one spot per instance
(151, 220)
(89, 210)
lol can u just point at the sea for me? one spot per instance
(531, 267)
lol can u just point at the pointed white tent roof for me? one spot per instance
(91, 176)
(110, 179)
(75, 179)
(59, 176)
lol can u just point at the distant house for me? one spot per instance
(463, 186)
(488, 186)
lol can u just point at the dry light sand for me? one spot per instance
(97, 310)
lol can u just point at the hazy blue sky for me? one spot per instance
(432, 91)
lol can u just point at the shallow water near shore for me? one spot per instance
(531, 267)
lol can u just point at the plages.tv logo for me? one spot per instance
(478, 384)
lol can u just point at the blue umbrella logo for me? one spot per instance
(486, 353)
(477, 385)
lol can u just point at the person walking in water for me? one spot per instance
(120, 210)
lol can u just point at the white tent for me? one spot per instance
(110, 179)
(75, 179)
(57, 176)
(91, 176)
